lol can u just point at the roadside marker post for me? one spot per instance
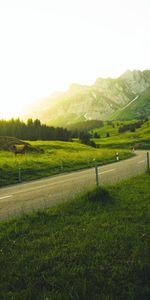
(148, 167)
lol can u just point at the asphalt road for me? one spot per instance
(47, 192)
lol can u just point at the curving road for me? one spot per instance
(49, 191)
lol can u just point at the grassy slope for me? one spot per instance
(140, 138)
(95, 247)
(113, 130)
(57, 157)
(66, 156)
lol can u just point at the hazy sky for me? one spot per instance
(47, 44)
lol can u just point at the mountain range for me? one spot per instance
(125, 97)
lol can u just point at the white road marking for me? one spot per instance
(4, 197)
(49, 184)
(140, 162)
(111, 170)
(60, 181)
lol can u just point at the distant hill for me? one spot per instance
(127, 96)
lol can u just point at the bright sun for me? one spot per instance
(47, 45)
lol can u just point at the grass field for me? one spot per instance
(61, 157)
(92, 248)
(140, 139)
(57, 157)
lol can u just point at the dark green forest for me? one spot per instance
(32, 130)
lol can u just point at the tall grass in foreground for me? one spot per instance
(94, 247)
(58, 157)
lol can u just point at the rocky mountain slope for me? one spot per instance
(105, 99)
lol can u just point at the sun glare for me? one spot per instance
(10, 110)
(48, 45)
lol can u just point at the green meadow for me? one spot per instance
(140, 139)
(57, 157)
(94, 247)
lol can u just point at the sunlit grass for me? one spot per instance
(140, 139)
(94, 247)
(57, 157)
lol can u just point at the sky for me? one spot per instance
(45, 45)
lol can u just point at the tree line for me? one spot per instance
(130, 127)
(32, 130)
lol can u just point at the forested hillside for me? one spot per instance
(32, 130)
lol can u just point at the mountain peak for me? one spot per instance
(131, 74)
(103, 99)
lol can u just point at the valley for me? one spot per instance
(74, 212)
(74, 150)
